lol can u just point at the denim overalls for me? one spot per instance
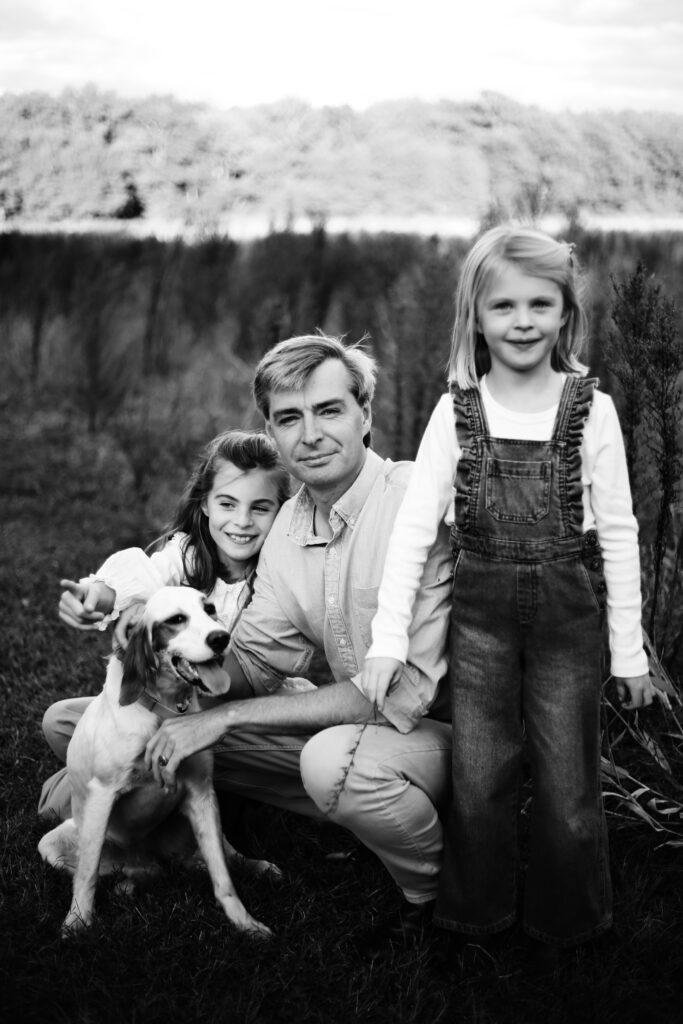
(526, 655)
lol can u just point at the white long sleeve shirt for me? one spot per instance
(135, 576)
(606, 504)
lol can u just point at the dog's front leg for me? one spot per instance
(201, 807)
(93, 828)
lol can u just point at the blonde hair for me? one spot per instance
(536, 254)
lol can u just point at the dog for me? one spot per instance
(122, 819)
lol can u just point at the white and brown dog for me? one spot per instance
(121, 818)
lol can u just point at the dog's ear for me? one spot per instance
(140, 666)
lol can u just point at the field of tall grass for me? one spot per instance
(118, 363)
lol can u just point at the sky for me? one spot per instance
(557, 54)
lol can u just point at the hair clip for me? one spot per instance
(570, 246)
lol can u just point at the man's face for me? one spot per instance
(319, 430)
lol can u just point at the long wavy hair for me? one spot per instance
(244, 449)
(536, 254)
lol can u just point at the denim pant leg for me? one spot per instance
(477, 891)
(388, 789)
(567, 889)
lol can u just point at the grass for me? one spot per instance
(167, 954)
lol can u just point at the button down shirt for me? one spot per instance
(313, 594)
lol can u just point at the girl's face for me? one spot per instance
(520, 317)
(240, 508)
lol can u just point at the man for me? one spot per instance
(328, 750)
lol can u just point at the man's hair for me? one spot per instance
(288, 365)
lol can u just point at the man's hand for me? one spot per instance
(126, 622)
(84, 605)
(379, 675)
(175, 740)
(634, 691)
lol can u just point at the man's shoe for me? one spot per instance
(405, 928)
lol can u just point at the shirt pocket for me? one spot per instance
(517, 492)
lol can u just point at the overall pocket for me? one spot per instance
(517, 492)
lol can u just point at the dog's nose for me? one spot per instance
(218, 640)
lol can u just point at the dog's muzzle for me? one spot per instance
(199, 675)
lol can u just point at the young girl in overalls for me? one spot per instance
(525, 458)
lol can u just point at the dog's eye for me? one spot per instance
(210, 609)
(176, 620)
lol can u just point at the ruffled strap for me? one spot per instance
(579, 399)
(467, 417)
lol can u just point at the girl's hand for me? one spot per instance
(634, 691)
(379, 675)
(84, 605)
(126, 621)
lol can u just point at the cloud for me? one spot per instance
(579, 55)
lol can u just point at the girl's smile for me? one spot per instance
(521, 318)
(240, 508)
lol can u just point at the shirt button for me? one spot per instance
(330, 600)
(596, 564)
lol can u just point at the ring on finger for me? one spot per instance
(163, 761)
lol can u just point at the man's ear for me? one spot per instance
(269, 430)
(367, 418)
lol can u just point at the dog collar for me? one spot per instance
(164, 710)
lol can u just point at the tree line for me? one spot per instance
(93, 154)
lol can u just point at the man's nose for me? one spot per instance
(311, 429)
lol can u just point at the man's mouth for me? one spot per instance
(316, 460)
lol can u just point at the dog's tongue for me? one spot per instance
(213, 676)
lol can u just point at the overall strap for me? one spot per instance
(575, 404)
(470, 424)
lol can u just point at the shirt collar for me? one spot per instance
(346, 509)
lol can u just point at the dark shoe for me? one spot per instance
(544, 958)
(403, 929)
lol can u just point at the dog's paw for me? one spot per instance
(257, 930)
(263, 869)
(74, 924)
(125, 887)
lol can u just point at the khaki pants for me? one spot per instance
(385, 787)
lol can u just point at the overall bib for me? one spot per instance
(526, 658)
